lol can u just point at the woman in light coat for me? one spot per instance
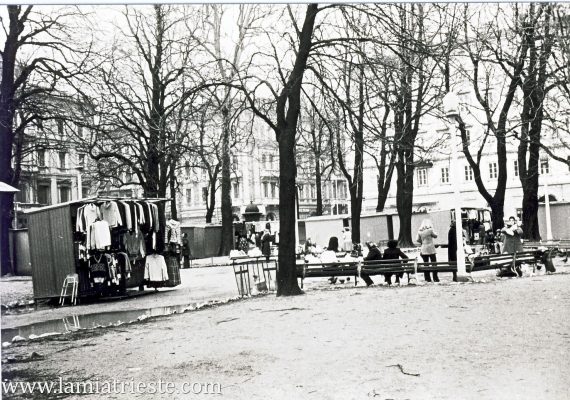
(425, 237)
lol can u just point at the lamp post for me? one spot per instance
(453, 114)
(547, 211)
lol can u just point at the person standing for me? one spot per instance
(425, 237)
(512, 235)
(185, 251)
(452, 246)
(347, 239)
(512, 244)
(266, 244)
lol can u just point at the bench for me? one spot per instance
(354, 268)
(500, 261)
(323, 270)
(383, 267)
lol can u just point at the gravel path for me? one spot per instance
(505, 339)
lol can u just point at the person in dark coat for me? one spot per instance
(333, 244)
(266, 244)
(373, 254)
(393, 252)
(452, 246)
(185, 251)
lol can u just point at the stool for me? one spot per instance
(73, 280)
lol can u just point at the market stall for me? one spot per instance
(112, 244)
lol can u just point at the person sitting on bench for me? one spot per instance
(373, 254)
(393, 252)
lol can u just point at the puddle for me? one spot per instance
(90, 321)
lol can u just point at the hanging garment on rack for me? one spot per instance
(122, 213)
(124, 264)
(127, 212)
(98, 268)
(140, 213)
(155, 268)
(100, 235)
(156, 221)
(146, 225)
(89, 214)
(173, 233)
(134, 244)
(110, 213)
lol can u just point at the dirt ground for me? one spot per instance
(506, 339)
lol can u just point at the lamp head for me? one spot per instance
(451, 105)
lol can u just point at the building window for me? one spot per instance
(544, 168)
(468, 136)
(64, 194)
(188, 196)
(41, 158)
(342, 190)
(60, 130)
(264, 160)
(204, 195)
(187, 168)
(235, 162)
(516, 165)
(445, 175)
(62, 160)
(235, 186)
(266, 189)
(81, 160)
(493, 170)
(313, 191)
(273, 189)
(468, 173)
(44, 194)
(422, 177)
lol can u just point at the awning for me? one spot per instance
(5, 188)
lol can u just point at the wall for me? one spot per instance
(51, 250)
(560, 220)
(320, 229)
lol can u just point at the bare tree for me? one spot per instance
(144, 95)
(316, 143)
(283, 121)
(495, 96)
(412, 42)
(228, 100)
(39, 54)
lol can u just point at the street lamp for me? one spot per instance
(547, 210)
(453, 114)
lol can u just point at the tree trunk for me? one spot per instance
(7, 92)
(288, 109)
(172, 183)
(318, 184)
(497, 215)
(211, 203)
(382, 196)
(227, 220)
(287, 273)
(404, 203)
(355, 210)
